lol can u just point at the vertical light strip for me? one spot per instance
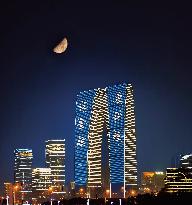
(124, 168)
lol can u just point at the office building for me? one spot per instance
(109, 110)
(178, 180)
(55, 160)
(41, 182)
(152, 182)
(23, 171)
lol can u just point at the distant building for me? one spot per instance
(8, 191)
(72, 185)
(41, 182)
(55, 160)
(176, 160)
(23, 172)
(186, 161)
(178, 180)
(71, 192)
(152, 181)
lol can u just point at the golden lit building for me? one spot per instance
(152, 181)
(178, 180)
(41, 182)
(55, 160)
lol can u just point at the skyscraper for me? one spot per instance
(55, 160)
(110, 109)
(23, 171)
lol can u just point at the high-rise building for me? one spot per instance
(178, 180)
(109, 110)
(23, 171)
(55, 160)
(41, 182)
(152, 181)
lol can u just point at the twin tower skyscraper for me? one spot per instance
(105, 113)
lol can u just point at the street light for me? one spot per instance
(107, 192)
(81, 190)
(7, 200)
(50, 189)
(133, 192)
(14, 191)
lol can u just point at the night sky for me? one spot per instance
(148, 46)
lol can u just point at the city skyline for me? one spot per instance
(145, 45)
(73, 178)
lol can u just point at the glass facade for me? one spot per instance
(111, 108)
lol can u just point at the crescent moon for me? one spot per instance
(61, 47)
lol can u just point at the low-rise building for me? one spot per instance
(41, 184)
(178, 180)
(152, 182)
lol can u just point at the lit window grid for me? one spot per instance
(23, 168)
(114, 124)
(81, 135)
(176, 180)
(41, 179)
(55, 160)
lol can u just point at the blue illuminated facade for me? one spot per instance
(83, 116)
(114, 107)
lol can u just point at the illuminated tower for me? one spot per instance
(55, 160)
(111, 108)
(23, 171)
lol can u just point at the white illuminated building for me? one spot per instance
(23, 168)
(55, 160)
(23, 172)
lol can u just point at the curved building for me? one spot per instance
(110, 109)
